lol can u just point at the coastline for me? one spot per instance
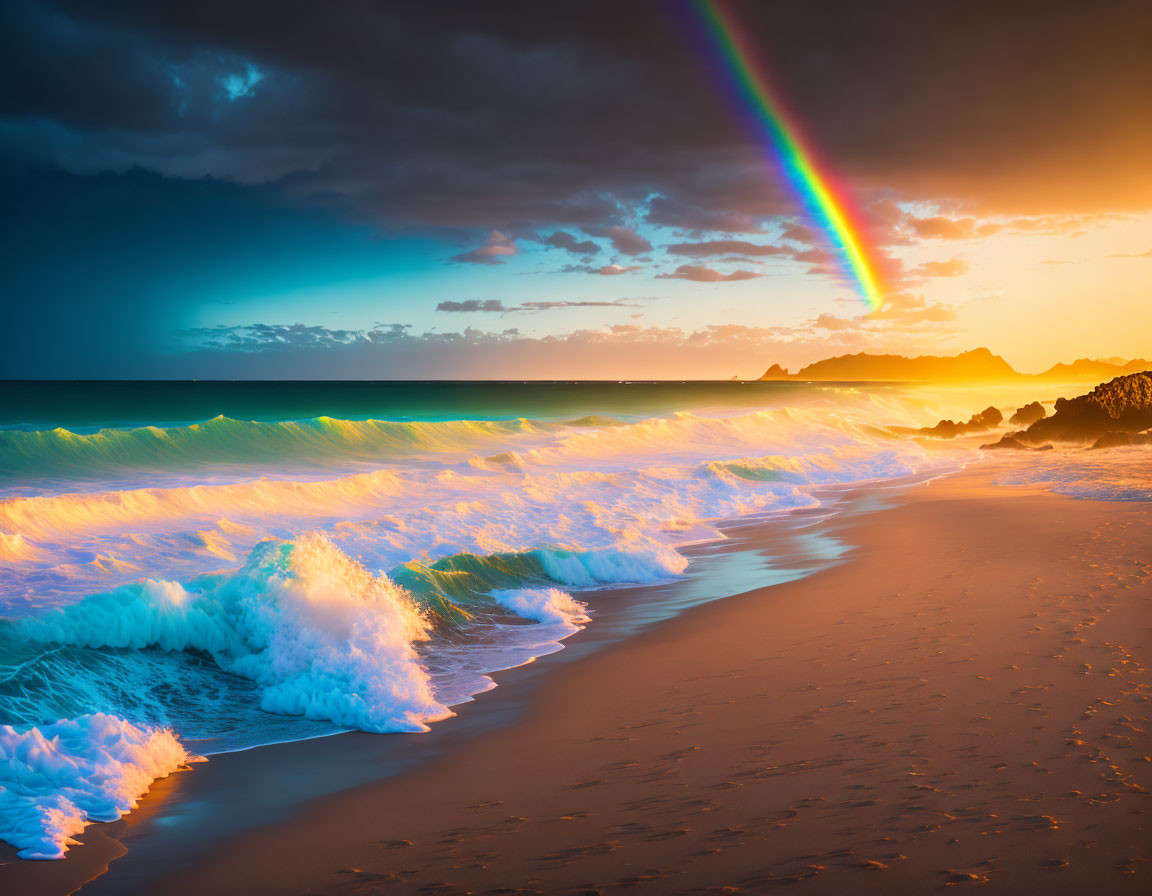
(744, 736)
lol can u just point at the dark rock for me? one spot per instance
(1121, 405)
(1121, 439)
(1028, 414)
(987, 419)
(1009, 441)
(945, 429)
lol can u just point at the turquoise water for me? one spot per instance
(86, 405)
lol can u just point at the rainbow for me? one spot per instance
(826, 201)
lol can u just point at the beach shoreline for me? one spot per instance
(927, 699)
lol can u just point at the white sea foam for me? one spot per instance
(547, 605)
(1106, 474)
(16, 549)
(57, 778)
(648, 485)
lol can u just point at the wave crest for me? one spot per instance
(323, 637)
(224, 441)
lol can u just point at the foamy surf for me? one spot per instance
(1105, 474)
(318, 635)
(58, 778)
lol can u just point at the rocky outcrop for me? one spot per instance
(987, 419)
(1011, 442)
(1122, 405)
(977, 366)
(1028, 414)
(1122, 439)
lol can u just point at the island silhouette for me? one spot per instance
(979, 365)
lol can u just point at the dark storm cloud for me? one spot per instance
(727, 247)
(518, 115)
(624, 240)
(561, 239)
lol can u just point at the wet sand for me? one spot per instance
(965, 703)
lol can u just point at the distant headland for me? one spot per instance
(977, 366)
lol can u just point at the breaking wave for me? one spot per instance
(321, 636)
(224, 442)
(57, 778)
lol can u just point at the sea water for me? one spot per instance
(189, 568)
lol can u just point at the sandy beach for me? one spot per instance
(963, 702)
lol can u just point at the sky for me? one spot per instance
(514, 190)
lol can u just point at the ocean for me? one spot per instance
(194, 568)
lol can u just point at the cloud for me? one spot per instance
(953, 267)
(941, 228)
(240, 85)
(945, 228)
(821, 261)
(624, 240)
(606, 270)
(701, 274)
(469, 306)
(561, 239)
(798, 233)
(624, 351)
(548, 306)
(494, 251)
(832, 322)
(816, 256)
(496, 306)
(902, 313)
(727, 247)
(689, 218)
(1147, 254)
